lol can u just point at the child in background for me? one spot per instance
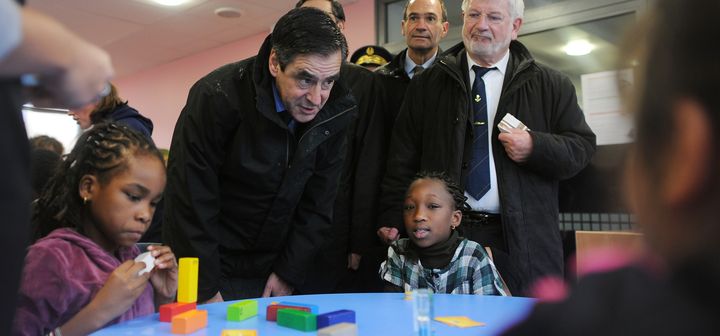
(435, 256)
(81, 275)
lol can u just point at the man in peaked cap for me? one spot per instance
(371, 57)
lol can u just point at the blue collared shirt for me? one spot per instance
(410, 65)
(280, 107)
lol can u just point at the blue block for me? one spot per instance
(313, 308)
(338, 316)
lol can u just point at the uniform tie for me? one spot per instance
(479, 175)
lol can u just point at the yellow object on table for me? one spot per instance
(459, 321)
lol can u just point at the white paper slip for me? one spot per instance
(149, 261)
(509, 122)
(503, 128)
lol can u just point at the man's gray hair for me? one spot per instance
(517, 7)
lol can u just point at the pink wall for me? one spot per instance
(160, 92)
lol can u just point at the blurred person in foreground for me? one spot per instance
(71, 72)
(673, 185)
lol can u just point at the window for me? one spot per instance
(600, 37)
(51, 122)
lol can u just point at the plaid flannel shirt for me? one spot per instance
(470, 271)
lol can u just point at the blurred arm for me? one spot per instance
(70, 70)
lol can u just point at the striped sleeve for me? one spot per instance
(391, 269)
(486, 278)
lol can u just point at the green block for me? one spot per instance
(242, 310)
(297, 319)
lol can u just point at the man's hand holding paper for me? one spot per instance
(515, 138)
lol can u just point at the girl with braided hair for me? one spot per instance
(435, 256)
(80, 274)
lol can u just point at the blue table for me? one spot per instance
(376, 314)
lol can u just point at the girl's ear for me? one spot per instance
(456, 218)
(87, 187)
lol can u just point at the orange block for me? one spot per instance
(168, 311)
(189, 322)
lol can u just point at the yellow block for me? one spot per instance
(459, 321)
(188, 280)
(228, 332)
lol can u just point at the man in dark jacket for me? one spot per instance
(424, 25)
(438, 129)
(255, 161)
(342, 264)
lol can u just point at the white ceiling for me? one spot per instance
(140, 35)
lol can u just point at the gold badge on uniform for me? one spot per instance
(477, 98)
(370, 57)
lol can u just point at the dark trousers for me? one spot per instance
(328, 268)
(486, 230)
(331, 275)
(366, 278)
(241, 288)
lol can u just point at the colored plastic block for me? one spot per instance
(297, 319)
(242, 310)
(271, 311)
(313, 308)
(248, 332)
(189, 322)
(188, 280)
(340, 329)
(168, 311)
(335, 317)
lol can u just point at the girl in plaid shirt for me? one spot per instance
(435, 256)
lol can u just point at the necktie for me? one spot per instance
(479, 174)
(418, 69)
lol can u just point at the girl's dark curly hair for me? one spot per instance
(457, 193)
(103, 151)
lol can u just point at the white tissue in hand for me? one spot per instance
(510, 122)
(149, 261)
